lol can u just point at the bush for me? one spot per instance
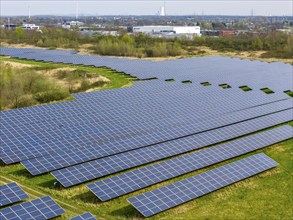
(26, 87)
(85, 85)
(51, 95)
(98, 84)
(25, 101)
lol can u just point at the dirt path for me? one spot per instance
(36, 194)
(15, 64)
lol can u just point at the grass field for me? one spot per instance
(118, 80)
(265, 196)
(50, 82)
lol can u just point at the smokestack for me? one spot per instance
(162, 9)
(29, 12)
(76, 10)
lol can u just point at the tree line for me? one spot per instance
(276, 44)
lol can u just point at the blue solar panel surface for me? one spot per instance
(47, 134)
(11, 193)
(215, 70)
(42, 208)
(112, 164)
(85, 216)
(161, 199)
(134, 180)
(104, 132)
(189, 127)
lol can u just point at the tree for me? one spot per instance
(19, 34)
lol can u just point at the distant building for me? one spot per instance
(226, 33)
(209, 33)
(72, 24)
(30, 27)
(167, 29)
(10, 26)
(287, 31)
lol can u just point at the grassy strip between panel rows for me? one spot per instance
(265, 196)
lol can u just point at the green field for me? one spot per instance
(118, 80)
(266, 196)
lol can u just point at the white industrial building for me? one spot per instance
(72, 24)
(30, 27)
(167, 29)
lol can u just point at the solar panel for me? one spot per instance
(85, 216)
(161, 199)
(216, 70)
(105, 166)
(41, 208)
(22, 144)
(145, 138)
(25, 139)
(134, 180)
(11, 193)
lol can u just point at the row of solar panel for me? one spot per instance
(17, 133)
(105, 166)
(35, 138)
(134, 180)
(21, 151)
(105, 116)
(19, 139)
(209, 68)
(95, 102)
(187, 98)
(70, 157)
(41, 208)
(35, 53)
(161, 199)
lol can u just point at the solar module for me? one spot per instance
(112, 164)
(41, 208)
(134, 180)
(25, 140)
(11, 193)
(84, 216)
(192, 126)
(161, 199)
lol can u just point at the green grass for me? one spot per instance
(245, 88)
(225, 86)
(289, 93)
(38, 86)
(265, 196)
(206, 84)
(117, 80)
(186, 82)
(170, 80)
(267, 91)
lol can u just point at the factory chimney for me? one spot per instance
(162, 9)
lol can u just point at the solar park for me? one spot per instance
(185, 129)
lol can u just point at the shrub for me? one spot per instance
(51, 95)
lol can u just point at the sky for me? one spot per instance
(147, 7)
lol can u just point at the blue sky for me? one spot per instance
(146, 7)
